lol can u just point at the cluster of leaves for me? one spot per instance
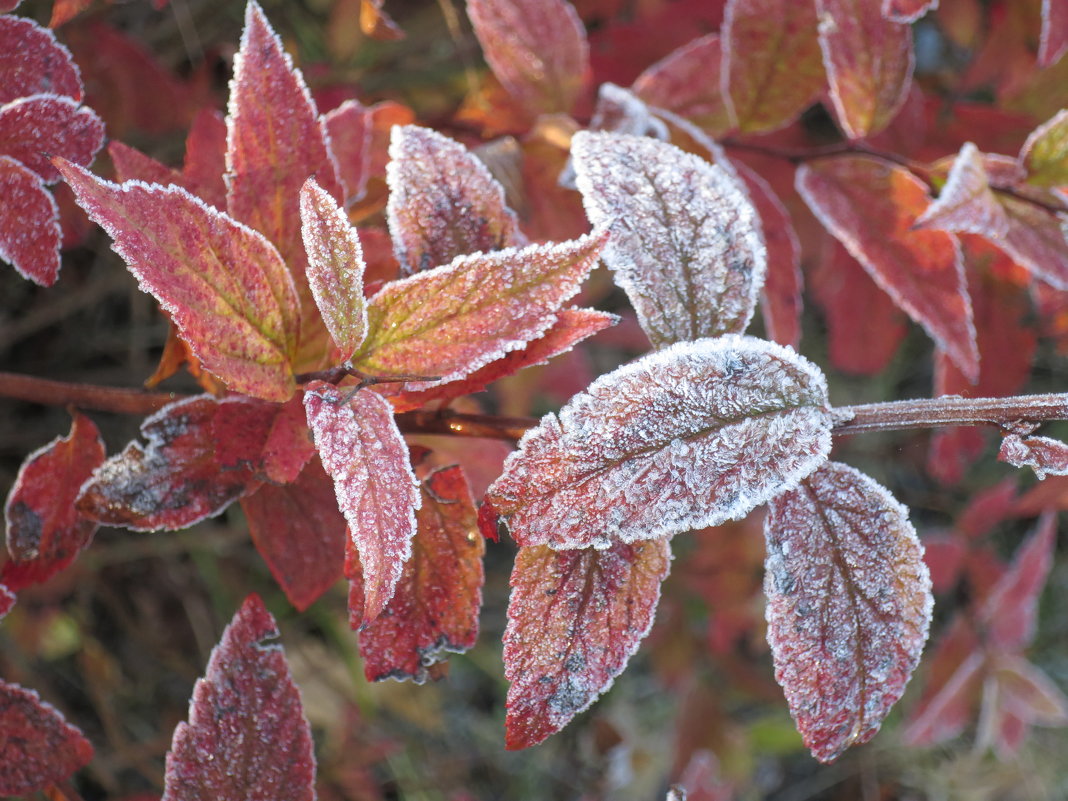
(310, 336)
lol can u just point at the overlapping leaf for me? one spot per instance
(270, 439)
(1036, 240)
(1045, 153)
(574, 619)
(34, 128)
(29, 223)
(849, 604)
(223, 284)
(907, 10)
(685, 241)
(687, 82)
(690, 436)
(247, 736)
(966, 203)
(349, 129)
(32, 62)
(1053, 40)
(1044, 455)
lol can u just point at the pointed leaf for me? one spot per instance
(443, 202)
(132, 165)
(349, 128)
(1036, 240)
(1045, 153)
(205, 158)
(30, 234)
(1053, 41)
(44, 532)
(1044, 455)
(451, 321)
(907, 10)
(869, 63)
(247, 736)
(772, 59)
(365, 455)
(849, 605)
(223, 284)
(270, 439)
(687, 83)
(685, 243)
(574, 620)
(33, 62)
(1010, 613)
(949, 710)
(966, 203)
(871, 207)
(32, 129)
(1029, 693)
(690, 436)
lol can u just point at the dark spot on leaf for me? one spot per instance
(570, 697)
(575, 662)
(24, 533)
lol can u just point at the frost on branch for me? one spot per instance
(574, 620)
(1044, 455)
(690, 436)
(247, 737)
(685, 241)
(849, 604)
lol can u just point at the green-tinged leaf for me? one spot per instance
(1045, 153)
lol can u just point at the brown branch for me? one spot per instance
(84, 396)
(951, 410)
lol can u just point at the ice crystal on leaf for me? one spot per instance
(30, 234)
(35, 128)
(966, 203)
(1044, 455)
(690, 436)
(32, 62)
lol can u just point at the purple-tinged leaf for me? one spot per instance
(1053, 40)
(32, 62)
(223, 284)
(349, 128)
(690, 436)
(335, 267)
(849, 605)
(687, 83)
(366, 456)
(907, 10)
(966, 203)
(247, 737)
(30, 233)
(44, 531)
(270, 439)
(35, 128)
(443, 202)
(772, 63)
(536, 48)
(1044, 455)
(1045, 153)
(451, 321)
(869, 63)
(871, 206)
(685, 241)
(574, 620)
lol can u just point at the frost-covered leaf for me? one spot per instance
(620, 110)
(300, 533)
(443, 202)
(44, 532)
(869, 63)
(35, 128)
(224, 285)
(205, 158)
(30, 233)
(349, 128)
(1053, 39)
(773, 67)
(871, 207)
(1010, 613)
(365, 455)
(172, 481)
(37, 746)
(32, 62)
(690, 436)
(966, 203)
(247, 737)
(574, 620)
(685, 241)
(687, 83)
(436, 605)
(335, 267)
(1036, 240)
(1044, 455)
(907, 10)
(451, 321)
(849, 604)
(1045, 153)
(132, 165)
(270, 439)
(536, 48)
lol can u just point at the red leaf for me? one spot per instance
(300, 534)
(685, 241)
(247, 736)
(1054, 37)
(365, 455)
(536, 48)
(443, 202)
(1036, 241)
(687, 82)
(574, 619)
(966, 203)
(44, 532)
(38, 747)
(871, 207)
(349, 128)
(907, 10)
(773, 63)
(1045, 153)
(949, 710)
(32, 62)
(223, 284)
(1044, 455)
(64, 11)
(205, 158)
(690, 436)
(849, 605)
(436, 605)
(32, 129)
(29, 223)
(132, 165)
(869, 63)
(8, 5)
(270, 439)
(171, 482)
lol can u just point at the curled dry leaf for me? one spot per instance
(1044, 455)
(690, 436)
(30, 233)
(849, 604)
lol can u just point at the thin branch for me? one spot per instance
(951, 410)
(84, 396)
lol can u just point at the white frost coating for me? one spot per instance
(1044, 455)
(917, 11)
(29, 235)
(686, 243)
(966, 203)
(690, 436)
(716, 154)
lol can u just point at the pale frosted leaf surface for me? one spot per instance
(1053, 39)
(685, 241)
(335, 267)
(223, 284)
(849, 604)
(247, 737)
(30, 233)
(1044, 455)
(364, 453)
(574, 620)
(907, 10)
(621, 111)
(966, 203)
(443, 202)
(32, 62)
(687, 82)
(690, 436)
(33, 129)
(1036, 240)
(451, 321)
(1045, 153)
